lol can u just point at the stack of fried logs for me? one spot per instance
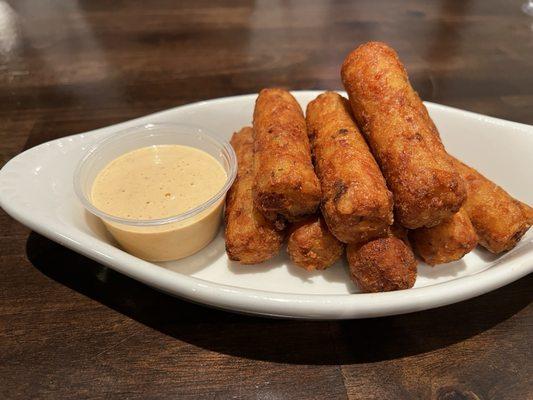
(370, 174)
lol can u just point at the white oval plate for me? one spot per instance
(36, 189)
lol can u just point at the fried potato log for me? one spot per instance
(448, 241)
(383, 264)
(402, 136)
(250, 238)
(356, 203)
(312, 246)
(286, 186)
(500, 220)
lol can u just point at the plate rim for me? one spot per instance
(268, 303)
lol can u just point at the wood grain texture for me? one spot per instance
(70, 328)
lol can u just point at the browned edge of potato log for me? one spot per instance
(499, 219)
(311, 245)
(250, 238)
(402, 136)
(356, 203)
(383, 264)
(286, 186)
(449, 241)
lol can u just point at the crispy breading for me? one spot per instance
(448, 241)
(312, 246)
(500, 220)
(402, 136)
(356, 203)
(527, 210)
(382, 265)
(286, 186)
(250, 238)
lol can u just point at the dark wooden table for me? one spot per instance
(70, 328)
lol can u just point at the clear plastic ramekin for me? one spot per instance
(163, 239)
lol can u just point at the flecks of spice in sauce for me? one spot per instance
(157, 182)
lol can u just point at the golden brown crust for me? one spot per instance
(402, 136)
(527, 211)
(356, 203)
(446, 242)
(382, 265)
(499, 220)
(286, 184)
(250, 238)
(312, 246)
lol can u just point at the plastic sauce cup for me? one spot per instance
(169, 238)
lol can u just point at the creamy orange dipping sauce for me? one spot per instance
(158, 182)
